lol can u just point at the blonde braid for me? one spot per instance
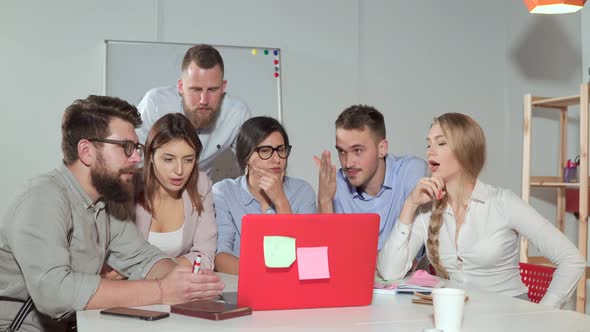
(432, 244)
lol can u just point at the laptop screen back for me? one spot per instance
(333, 260)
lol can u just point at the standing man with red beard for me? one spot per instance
(370, 180)
(200, 95)
(59, 231)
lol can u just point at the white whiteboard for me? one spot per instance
(134, 67)
(253, 74)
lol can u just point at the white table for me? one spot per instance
(483, 312)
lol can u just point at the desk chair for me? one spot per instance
(537, 279)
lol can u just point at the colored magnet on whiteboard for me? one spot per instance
(254, 51)
(312, 263)
(276, 52)
(276, 68)
(265, 52)
(276, 62)
(279, 251)
(276, 74)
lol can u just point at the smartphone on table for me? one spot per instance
(135, 313)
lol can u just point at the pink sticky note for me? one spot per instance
(312, 263)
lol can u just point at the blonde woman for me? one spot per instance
(470, 228)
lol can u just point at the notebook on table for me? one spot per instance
(307, 260)
(209, 309)
(420, 281)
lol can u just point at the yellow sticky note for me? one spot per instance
(279, 251)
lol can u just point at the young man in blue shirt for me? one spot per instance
(370, 180)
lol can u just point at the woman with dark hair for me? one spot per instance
(175, 210)
(470, 229)
(262, 149)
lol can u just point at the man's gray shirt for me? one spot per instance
(36, 259)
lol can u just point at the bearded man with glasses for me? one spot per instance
(60, 231)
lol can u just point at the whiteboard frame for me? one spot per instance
(278, 79)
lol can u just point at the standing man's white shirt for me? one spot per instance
(219, 137)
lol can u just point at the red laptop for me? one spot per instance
(292, 261)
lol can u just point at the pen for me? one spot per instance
(197, 264)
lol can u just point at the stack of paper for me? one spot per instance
(420, 281)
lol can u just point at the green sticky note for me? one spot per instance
(279, 251)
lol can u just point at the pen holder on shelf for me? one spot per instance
(570, 174)
(570, 171)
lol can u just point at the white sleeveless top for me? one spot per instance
(168, 242)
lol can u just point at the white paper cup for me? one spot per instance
(448, 308)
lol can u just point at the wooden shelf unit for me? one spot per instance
(561, 104)
(552, 181)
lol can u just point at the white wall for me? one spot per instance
(420, 59)
(411, 59)
(52, 54)
(423, 58)
(318, 54)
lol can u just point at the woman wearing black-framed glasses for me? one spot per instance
(262, 150)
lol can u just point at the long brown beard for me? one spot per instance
(110, 185)
(201, 122)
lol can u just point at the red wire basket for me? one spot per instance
(537, 279)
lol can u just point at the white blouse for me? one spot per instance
(168, 242)
(486, 255)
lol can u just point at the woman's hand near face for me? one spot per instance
(425, 191)
(272, 185)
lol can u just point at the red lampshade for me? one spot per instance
(554, 6)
